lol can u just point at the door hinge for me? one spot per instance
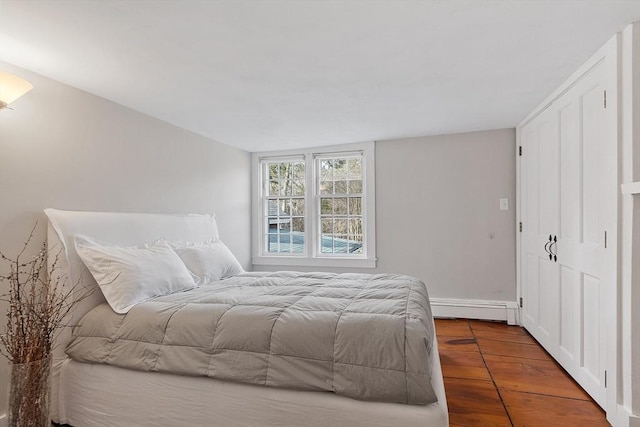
(605, 240)
(520, 302)
(520, 226)
(520, 151)
(605, 99)
(605, 379)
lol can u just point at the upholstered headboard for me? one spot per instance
(122, 229)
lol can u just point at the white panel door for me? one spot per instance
(540, 217)
(563, 196)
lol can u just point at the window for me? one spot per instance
(315, 208)
(284, 206)
(340, 190)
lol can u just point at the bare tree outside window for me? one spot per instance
(337, 200)
(285, 206)
(341, 193)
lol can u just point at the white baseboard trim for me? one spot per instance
(624, 418)
(476, 309)
(3, 420)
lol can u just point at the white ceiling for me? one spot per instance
(266, 75)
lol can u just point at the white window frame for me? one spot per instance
(312, 256)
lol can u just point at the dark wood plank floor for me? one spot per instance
(498, 375)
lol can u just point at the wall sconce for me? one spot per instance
(11, 88)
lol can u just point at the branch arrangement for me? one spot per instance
(38, 301)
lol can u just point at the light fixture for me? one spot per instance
(12, 87)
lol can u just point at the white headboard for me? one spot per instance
(122, 229)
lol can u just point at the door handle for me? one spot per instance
(553, 254)
(547, 247)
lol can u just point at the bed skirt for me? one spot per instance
(87, 395)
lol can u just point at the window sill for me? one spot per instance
(315, 262)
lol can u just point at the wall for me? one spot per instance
(64, 148)
(438, 217)
(438, 212)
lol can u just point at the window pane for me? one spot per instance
(284, 208)
(326, 206)
(298, 187)
(326, 187)
(340, 206)
(355, 246)
(355, 187)
(273, 171)
(297, 207)
(326, 246)
(340, 244)
(340, 226)
(273, 225)
(297, 246)
(297, 225)
(285, 187)
(354, 167)
(355, 225)
(274, 188)
(285, 243)
(285, 171)
(298, 171)
(326, 169)
(327, 225)
(355, 206)
(273, 243)
(284, 225)
(339, 168)
(272, 207)
(341, 187)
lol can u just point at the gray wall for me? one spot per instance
(438, 214)
(64, 148)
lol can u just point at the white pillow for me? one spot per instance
(208, 261)
(130, 275)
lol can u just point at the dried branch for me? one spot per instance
(39, 304)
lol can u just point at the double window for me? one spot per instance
(315, 208)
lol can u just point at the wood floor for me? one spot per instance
(497, 375)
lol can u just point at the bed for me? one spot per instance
(107, 372)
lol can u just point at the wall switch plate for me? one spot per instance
(504, 204)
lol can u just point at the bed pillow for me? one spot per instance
(130, 275)
(208, 261)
